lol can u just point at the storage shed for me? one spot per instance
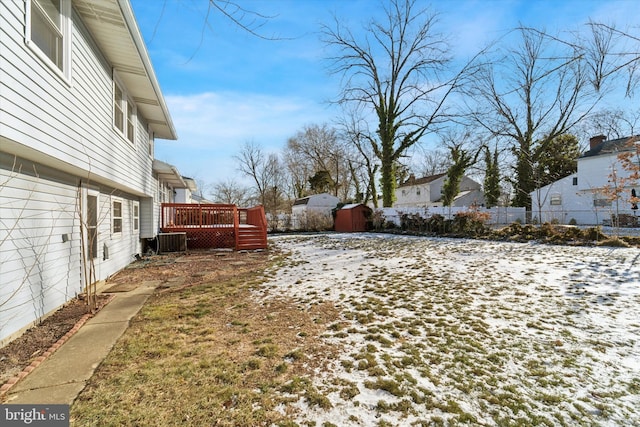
(353, 217)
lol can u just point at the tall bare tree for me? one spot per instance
(397, 70)
(529, 95)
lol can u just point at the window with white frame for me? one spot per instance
(124, 112)
(135, 217)
(601, 203)
(116, 216)
(556, 200)
(49, 32)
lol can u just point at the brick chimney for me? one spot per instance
(595, 140)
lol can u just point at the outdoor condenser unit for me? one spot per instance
(172, 242)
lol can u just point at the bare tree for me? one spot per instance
(530, 95)
(611, 53)
(319, 149)
(362, 160)
(396, 70)
(232, 192)
(433, 162)
(266, 172)
(613, 123)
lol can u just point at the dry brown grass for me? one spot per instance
(207, 352)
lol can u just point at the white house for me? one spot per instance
(582, 196)
(427, 192)
(316, 207)
(80, 109)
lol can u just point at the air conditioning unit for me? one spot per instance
(172, 242)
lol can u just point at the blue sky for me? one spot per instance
(225, 87)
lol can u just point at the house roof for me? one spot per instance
(169, 174)
(424, 180)
(306, 200)
(115, 30)
(612, 146)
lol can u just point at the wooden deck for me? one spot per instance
(216, 225)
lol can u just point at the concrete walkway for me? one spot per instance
(62, 376)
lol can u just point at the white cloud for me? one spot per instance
(212, 127)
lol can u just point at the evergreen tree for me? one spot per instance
(556, 159)
(461, 160)
(491, 178)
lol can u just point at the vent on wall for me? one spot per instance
(172, 242)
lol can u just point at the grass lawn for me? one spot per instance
(374, 330)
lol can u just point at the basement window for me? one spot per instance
(116, 216)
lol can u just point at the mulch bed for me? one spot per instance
(19, 353)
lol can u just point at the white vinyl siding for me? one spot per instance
(72, 122)
(38, 268)
(58, 145)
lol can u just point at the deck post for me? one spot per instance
(236, 225)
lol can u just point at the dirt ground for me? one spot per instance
(174, 270)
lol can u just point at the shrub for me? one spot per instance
(594, 234)
(378, 220)
(316, 221)
(413, 222)
(436, 224)
(470, 222)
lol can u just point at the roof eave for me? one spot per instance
(113, 27)
(167, 131)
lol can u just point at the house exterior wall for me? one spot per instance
(583, 202)
(38, 271)
(58, 145)
(413, 195)
(69, 121)
(430, 194)
(183, 195)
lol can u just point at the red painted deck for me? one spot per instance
(216, 225)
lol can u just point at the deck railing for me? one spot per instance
(211, 225)
(186, 215)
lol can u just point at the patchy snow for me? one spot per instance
(490, 333)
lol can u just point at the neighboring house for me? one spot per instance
(582, 196)
(313, 208)
(80, 107)
(188, 194)
(427, 192)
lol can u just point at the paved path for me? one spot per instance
(62, 376)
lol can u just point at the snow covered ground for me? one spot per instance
(446, 331)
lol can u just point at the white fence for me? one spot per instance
(499, 215)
